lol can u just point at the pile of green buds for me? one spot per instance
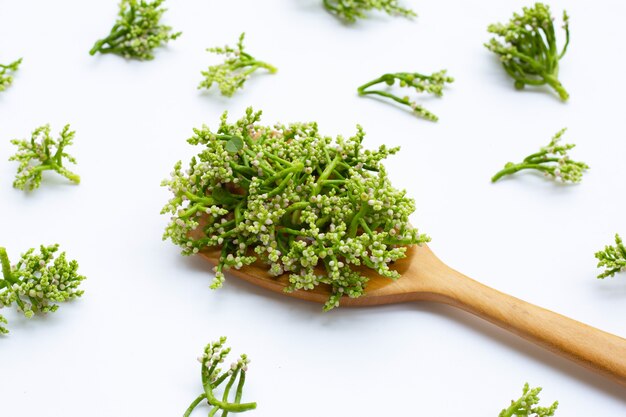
(300, 202)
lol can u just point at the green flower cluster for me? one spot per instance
(6, 73)
(612, 258)
(213, 377)
(432, 84)
(234, 71)
(552, 160)
(137, 31)
(524, 406)
(48, 152)
(37, 282)
(528, 49)
(295, 200)
(351, 10)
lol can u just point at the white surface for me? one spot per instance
(128, 347)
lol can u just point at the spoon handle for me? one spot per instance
(590, 347)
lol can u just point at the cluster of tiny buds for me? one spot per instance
(242, 363)
(305, 208)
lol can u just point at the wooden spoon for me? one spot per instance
(425, 277)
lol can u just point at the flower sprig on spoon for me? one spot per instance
(302, 203)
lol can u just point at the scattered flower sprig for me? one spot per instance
(552, 160)
(234, 71)
(432, 84)
(294, 199)
(351, 10)
(528, 48)
(612, 258)
(212, 377)
(37, 282)
(137, 31)
(42, 153)
(6, 73)
(524, 406)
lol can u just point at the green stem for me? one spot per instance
(238, 213)
(244, 170)
(260, 64)
(236, 408)
(566, 41)
(69, 175)
(278, 160)
(204, 200)
(558, 87)
(517, 167)
(354, 224)
(325, 174)
(291, 231)
(193, 405)
(229, 385)
(364, 226)
(190, 211)
(281, 187)
(297, 206)
(296, 168)
(388, 95)
(6, 267)
(238, 393)
(113, 36)
(382, 78)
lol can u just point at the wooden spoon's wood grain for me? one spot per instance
(425, 277)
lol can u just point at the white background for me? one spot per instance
(128, 347)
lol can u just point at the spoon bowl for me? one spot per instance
(425, 277)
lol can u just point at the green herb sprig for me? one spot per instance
(351, 10)
(42, 153)
(137, 31)
(432, 84)
(528, 48)
(213, 377)
(552, 160)
(6, 73)
(294, 199)
(525, 405)
(37, 282)
(234, 71)
(612, 258)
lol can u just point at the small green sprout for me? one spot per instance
(296, 200)
(552, 160)
(37, 282)
(351, 10)
(613, 258)
(6, 73)
(432, 84)
(528, 49)
(213, 377)
(234, 71)
(524, 406)
(49, 154)
(137, 31)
